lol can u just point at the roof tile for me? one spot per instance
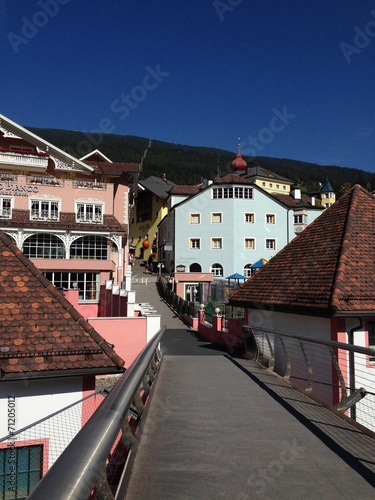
(36, 320)
(328, 269)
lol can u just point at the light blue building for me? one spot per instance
(227, 225)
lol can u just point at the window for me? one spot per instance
(284, 188)
(44, 210)
(250, 243)
(263, 184)
(277, 186)
(87, 283)
(270, 218)
(90, 247)
(43, 246)
(5, 208)
(250, 218)
(216, 243)
(271, 185)
(270, 244)
(195, 219)
(195, 268)
(230, 192)
(371, 339)
(89, 212)
(217, 270)
(20, 468)
(195, 243)
(247, 270)
(216, 218)
(300, 219)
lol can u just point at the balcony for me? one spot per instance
(23, 159)
(45, 181)
(89, 185)
(95, 219)
(5, 213)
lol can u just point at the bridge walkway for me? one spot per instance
(220, 427)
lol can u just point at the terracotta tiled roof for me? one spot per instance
(21, 218)
(329, 269)
(40, 331)
(289, 201)
(184, 190)
(113, 168)
(232, 179)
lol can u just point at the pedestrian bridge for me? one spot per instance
(189, 421)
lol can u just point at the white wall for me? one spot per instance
(36, 399)
(318, 357)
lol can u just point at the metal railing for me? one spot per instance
(177, 303)
(94, 463)
(339, 375)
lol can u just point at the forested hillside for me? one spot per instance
(189, 164)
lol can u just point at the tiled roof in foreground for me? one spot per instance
(329, 269)
(41, 334)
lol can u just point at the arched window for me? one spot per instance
(217, 269)
(44, 246)
(89, 247)
(195, 268)
(247, 270)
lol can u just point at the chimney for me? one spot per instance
(313, 201)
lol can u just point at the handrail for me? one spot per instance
(77, 470)
(332, 343)
(322, 368)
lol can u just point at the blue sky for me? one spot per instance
(290, 78)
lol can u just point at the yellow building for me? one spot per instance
(149, 209)
(327, 194)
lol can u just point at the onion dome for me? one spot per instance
(238, 164)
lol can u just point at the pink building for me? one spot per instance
(70, 217)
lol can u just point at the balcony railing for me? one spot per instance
(95, 219)
(45, 181)
(44, 215)
(338, 375)
(23, 160)
(5, 213)
(89, 185)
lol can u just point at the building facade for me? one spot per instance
(226, 226)
(69, 216)
(150, 207)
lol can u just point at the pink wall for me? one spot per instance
(86, 309)
(128, 335)
(231, 337)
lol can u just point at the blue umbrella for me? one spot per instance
(236, 276)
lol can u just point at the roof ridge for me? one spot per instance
(339, 274)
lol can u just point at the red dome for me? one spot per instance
(239, 163)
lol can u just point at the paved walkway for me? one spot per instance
(219, 427)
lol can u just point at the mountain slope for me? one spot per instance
(189, 164)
